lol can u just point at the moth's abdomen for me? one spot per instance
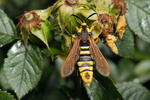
(85, 64)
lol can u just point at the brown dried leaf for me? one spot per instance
(121, 26)
(110, 41)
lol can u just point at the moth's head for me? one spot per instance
(83, 25)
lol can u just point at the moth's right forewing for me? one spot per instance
(68, 66)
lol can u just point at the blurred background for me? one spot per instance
(14, 8)
(135, 68)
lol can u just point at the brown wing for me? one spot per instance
(101, 63)
(68, 66)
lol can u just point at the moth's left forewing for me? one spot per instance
(68, 66)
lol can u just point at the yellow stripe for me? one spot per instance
(80, 63)
(85, 68)
(84, 52)
(84, 47)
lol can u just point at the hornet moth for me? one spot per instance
(85, 54)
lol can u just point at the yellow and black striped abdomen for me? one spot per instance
(85, 64)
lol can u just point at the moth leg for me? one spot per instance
(96, 40)
(75, 27)
(73, 37)
(92, 27)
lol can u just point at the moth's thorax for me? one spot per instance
(84, 33)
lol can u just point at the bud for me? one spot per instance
(35, 22)
(110, 41)
(121, 26)
(106, 22)
(66, 9)
(29, 20)
(120, 6)
(71, 2)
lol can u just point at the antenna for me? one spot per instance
(90, 16)
(77, 17)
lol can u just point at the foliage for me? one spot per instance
(31, 54)
(6, 96)
(132, 91)
(140, 22)
(8, 30)
(22, 68)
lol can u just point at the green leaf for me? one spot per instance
(102, 88)
(3, 79)
(141, 55)
(138, 18)
(113, 70)
(87, 12)
(6, 96)
(142, 50)
(44, 33)
(143, 46)
(133, 91)
(142, 71)
(23, 68)
(125, 70)
(44, 14)
(95, 91)
(143, 68)
(126, 44)
(54, 51)
(7, 29)
(102, 5)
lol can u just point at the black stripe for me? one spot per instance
(84, 44)
(85, 54)
(85, 50)
(86, 70)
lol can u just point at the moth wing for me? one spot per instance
(68, 66)
(101, 64)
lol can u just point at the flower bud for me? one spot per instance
(35, 22)
(67, 8)
(106, 22)
(120, 6)
(29, 20)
